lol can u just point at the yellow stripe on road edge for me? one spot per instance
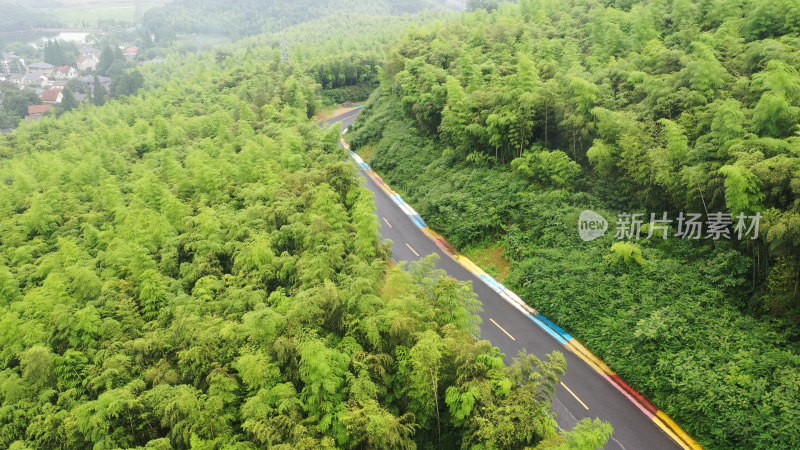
(672, 435)
(469, 265)
(676, 432)
(432, 234)
(589, 357)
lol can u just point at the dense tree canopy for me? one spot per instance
(60, 53)
(14, 103)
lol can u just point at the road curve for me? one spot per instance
(582, 393)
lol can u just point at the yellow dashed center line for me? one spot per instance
(409, 247)
(573, 394)
(387, 223)
(502, 329)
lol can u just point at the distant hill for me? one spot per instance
(17, 18)
(239, 18)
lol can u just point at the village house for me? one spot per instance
(87, 64)
(65, 72)
(89, 80)
(53, 95)
(90, 52)
(460, 4)
(16, 78)
(42, 67)
(11, 64)
(35, 79)
(131, 52)
(35, 112)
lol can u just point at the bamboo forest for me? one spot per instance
(363, 224)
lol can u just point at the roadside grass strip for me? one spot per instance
(661, 419)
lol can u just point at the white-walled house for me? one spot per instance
(65, 72)
(87, 64)
(53, 95)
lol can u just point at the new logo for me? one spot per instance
(591, 225)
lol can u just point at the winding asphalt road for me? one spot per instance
(582, 393)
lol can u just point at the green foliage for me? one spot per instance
(112, 61)
(15, 104)
(68, 102)
(60, 53)
(625, 253)
(126, 83)
(588, 434)
(742, 190)
(548, 169)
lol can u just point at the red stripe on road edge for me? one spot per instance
(650, 415)
(444, 245)
(646, 403)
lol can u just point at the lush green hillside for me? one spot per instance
(342, 54)
(502, 128)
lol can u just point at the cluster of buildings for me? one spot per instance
(460, 4)
(48, 81)
(42, 74)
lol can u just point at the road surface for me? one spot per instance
(582, 393)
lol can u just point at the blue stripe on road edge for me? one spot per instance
(494, 284)
(555, 327)
(549, 330)
(418, 222)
